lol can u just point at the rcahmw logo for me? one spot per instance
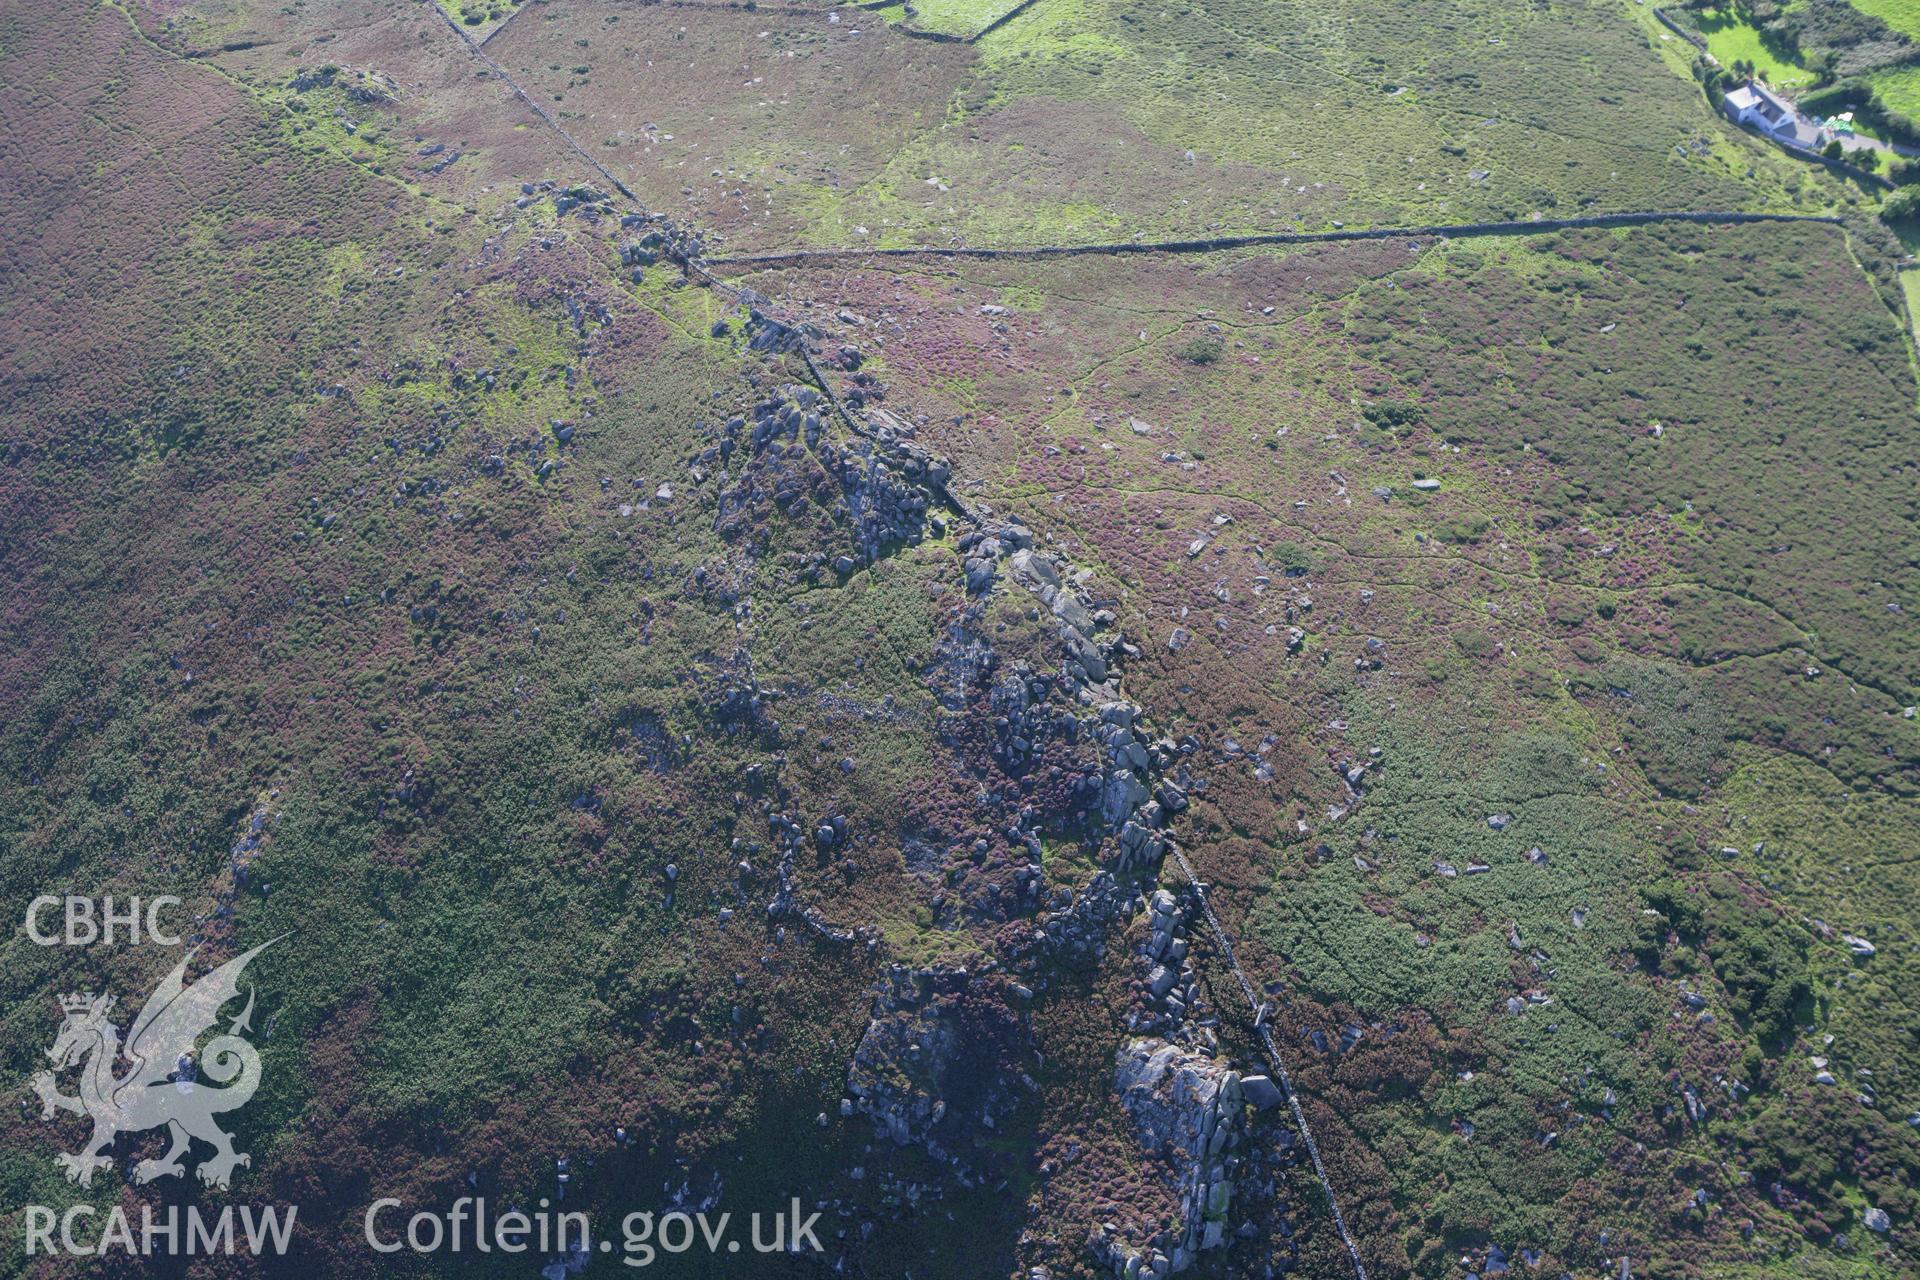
(153, 1079)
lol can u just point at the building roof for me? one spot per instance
(1800, 132)
(1775, 115)
(1756, 97)
(1776, 106)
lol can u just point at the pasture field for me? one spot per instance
(1731, 38)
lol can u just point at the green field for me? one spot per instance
(956, 17)
(1899, 89)
(1732, 39)
(1901, 15)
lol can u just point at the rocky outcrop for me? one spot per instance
(1171, 1005)
(1133, 804)
(888, 491)
(1189, 1113)
(941, 1063)
(789, 834)
(1075, 932)
(983, 551)
(358, 84)
(880, 492)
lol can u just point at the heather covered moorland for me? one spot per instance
(1254, 755)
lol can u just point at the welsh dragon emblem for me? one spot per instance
(162, 1083)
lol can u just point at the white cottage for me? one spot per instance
(1758, 107)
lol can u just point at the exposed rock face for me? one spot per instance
(1076, 933)
(887, 492)
(878, 492)
(1188, 1111)
(1127, 802)
(941, 1062)
(983, 552)
(1171, 1004)
(1084, 762)
(939, 1065)
(769, 335)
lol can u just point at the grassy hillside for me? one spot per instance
(693, 731)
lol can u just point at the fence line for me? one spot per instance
(1274, 1061)
(473, 47)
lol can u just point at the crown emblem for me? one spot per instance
(79, 1002)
